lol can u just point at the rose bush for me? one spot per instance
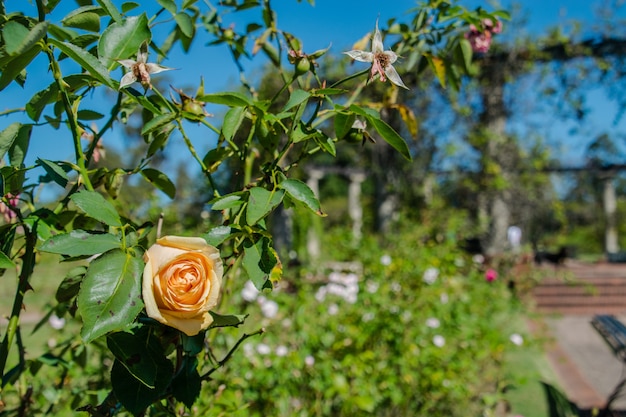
(181, 282)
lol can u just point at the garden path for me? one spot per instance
(585, 365)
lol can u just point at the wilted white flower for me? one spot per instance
(263, 349)
(140, 69)
(433, 322)
(281, 350)
(439, 340)
(430, 275)
(385, 260)
(516, 339)
(249, 292)
(381, 60)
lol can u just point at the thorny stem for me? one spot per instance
(67, 104)
(28, 261)
(230, 353)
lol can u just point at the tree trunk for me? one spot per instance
(497, 156)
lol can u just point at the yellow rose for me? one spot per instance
(181, 282)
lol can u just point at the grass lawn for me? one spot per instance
(527, 369)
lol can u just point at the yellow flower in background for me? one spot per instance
(181, 282)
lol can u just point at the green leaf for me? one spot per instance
(111, 10)
(218, 235)
(94, 205)
(71, 284)
(157, 123)
(18, 39)
(261, 202)
(81, 243)
(17, 152)
(110, 295)
(160, 181)
(301, 192)
(83, 18)
(128, 6)
(6, 262)
(141, 354)
(187, 383)
(185, 24)
(391, 137)
(168, 5)
(17, 64)
(14, 35)
(8, 137)
(343, 123)
(132, 394)
(231, 320)
(297, 97)
(251, 263)
(56, 173)
(86, 60)
(228, 99)
(123, 39)
(226, 202)
(89, 115)
(232, 122)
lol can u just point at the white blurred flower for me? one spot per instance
(439, 340)
(263, 349)
(269, 308)
(56, 322)
(249, 292)
(371, 286)
(367, 317)
(516, 339)
(333, 309)
(430, 275)
(433, 322)
(478, 259)
(248, 350)
(396, 287)
(320, 294)
(385, 260)
(309, 360)
(281, 350)
(443, 298)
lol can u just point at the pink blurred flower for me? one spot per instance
(480, 39)
(6, 209)
(491, 275)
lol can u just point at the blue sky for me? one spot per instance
(330, 22)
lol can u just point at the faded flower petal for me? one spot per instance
(156, 68)
(393, 76)
(127, 79)
(362, 56)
